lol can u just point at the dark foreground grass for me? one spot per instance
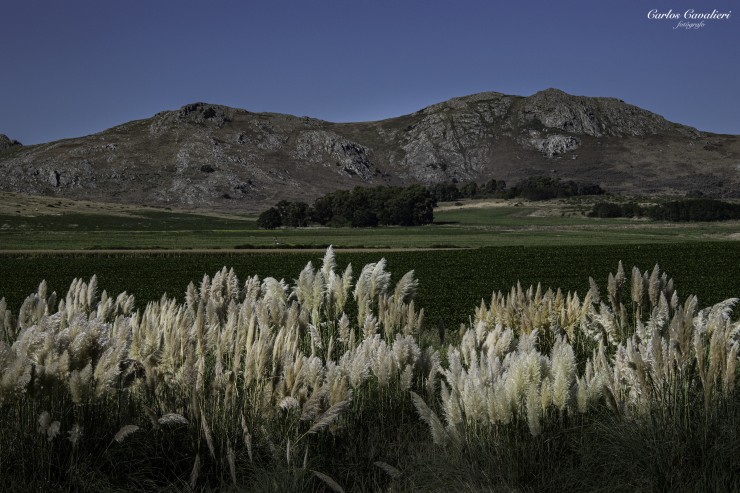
(451, 283)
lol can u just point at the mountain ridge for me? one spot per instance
(213, 156)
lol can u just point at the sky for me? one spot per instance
(76, 67)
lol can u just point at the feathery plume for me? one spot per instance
(172, 419)
(388, 469)
(44, 422)
(124, 432)
(53, 430)
(328, 417)
(333, 485)
(439, 435)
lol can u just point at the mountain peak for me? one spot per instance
(552, 91)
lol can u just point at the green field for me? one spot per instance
(499, 224)
(452, 282)
(496, 245)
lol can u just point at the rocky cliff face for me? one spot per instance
(205, 155)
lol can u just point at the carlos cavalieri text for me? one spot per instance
(690, 15)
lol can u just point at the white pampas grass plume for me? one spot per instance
(333, 485)
(328, 417)
(730, 368)
(346, 285)
(382, 365)
(593, 291)
(53, 430)
(582, 395)
(315, 338)
(92, 290)
(344, 329)
(439, 435)
(311, 406)
(388, 469)
(44, 422)
(124, 432)
(406, 378)
(194, 473)
(534, 409)
(79, 382)
(637, 286)
(207, 435)
(75, 434)
(612, 289)
(232, 462)
(405, 288)
(563, 370)
(172, 419)
(370, 326)
(654, 285)
(621, 277)
(329, 263)
(611, 401)
(247, 438)
(289, 403)
(501, 403)
(152, 417)
(545, 394)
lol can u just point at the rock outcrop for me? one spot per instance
(7, 143)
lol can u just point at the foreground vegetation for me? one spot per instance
(146, 391)
(335, 382)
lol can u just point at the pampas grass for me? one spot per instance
(243, 378)
(124, 432)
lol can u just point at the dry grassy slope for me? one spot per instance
(210, 156)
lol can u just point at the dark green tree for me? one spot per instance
(469, 190)
(270, 219)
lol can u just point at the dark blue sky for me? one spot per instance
(71, 68)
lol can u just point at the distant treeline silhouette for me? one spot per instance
(677, 211)
(408, 206)
(533, 188)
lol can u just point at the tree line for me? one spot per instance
(675, 211)
(408, 206)
(532, 188)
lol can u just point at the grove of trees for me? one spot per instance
(358, 208)
(408, 206)
(676, 211)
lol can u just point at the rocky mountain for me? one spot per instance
(210, 156)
